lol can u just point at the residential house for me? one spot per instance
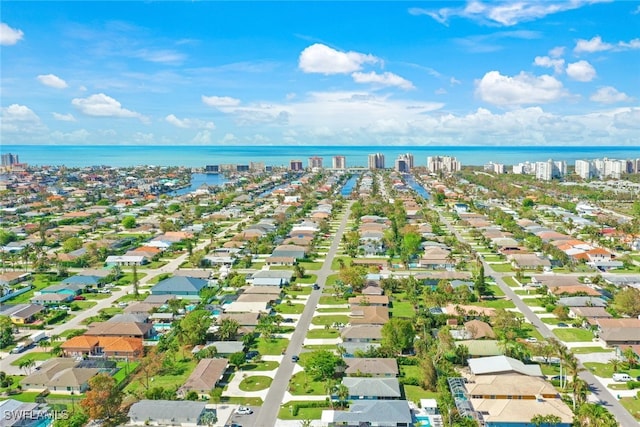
(502, 365)
(369, 315)
(204, 377)
(108, 347)
(616, 332)
(63, 289)
(23, 414)
(366, 388)
(385, 413)
(9, 278)
(126, 260)
(169, 413)
(582, 302)
(371, 367)
(180, 286)
(479, 329)
(121, 329)
(21, 314)
(589, 313)
(437, 258)
(59, 376)
(224, 348)
(51, 299)
(370, 300)
(529, 261)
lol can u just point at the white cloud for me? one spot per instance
(229, 138)
(52, 80)
(18, 118)
(545, 61)
(384, 79)
(160, 56)
(9, 36)
(189, 123)
(220, 101)
(597, 45)
(556, 52)
(101, 105)
(202, 138)
(319, 58)
(609, 95)
(581, 71)
(594, 45)
(505, 12)
(522, 89)
(64, 117)
(453, 81)
(75, 136)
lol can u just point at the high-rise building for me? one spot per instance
(256, 166)
(295, 165)
(9, 159)
(404, 163)
(494, 167)
(585, 169)
(339, 162)
(211, 169)
(546, 171)
(376, 161)
(445, 164)
(315, 162)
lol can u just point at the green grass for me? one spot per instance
(632, 405)
(497, 303)
(297, 290)
(493, 258)
(310, 265)
(68, 332)
(496, 291)
(605, 370)
(323, 333)
(84, 305)
(327, 300)
(303, 413)
(330, 347)
(414, 393)
(573, 334)
(272, 346)
(588, 350)
(333, 310)
(552, 320)
(330, 319)
(245, 401)
(125, 370)
(290, 309)
(255, 383)
(335, 264)
(402, 309)
(307, 279)
(301, 384)
(26, 396)
(265, 365)
(511, 282)
(184, 367)
(39, 356)
(502, 268)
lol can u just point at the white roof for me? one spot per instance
(502, 364)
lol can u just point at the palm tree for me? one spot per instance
(631, 358)
(573, 369)
(343, 394)
(615, 364)
(27, 365)
(593, 415)
(330, 385)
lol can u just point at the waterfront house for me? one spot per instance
(371, 367)
(205, 377)
(180, 286)
(388, 413)
(368, 388)
(169, 413)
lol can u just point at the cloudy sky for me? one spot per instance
(518, 72)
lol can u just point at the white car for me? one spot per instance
(531, 339)
(243, 410)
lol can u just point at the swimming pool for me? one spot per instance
(423, 421)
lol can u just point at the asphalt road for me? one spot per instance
(271, 406)
(599, 390)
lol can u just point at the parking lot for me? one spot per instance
(250, 420)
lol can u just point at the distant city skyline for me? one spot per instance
(321, 73)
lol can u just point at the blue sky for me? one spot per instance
(321, 73)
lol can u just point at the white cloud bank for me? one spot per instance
(581, 71)
(609, 95)
(101, 105)
(20, 119)
(220, 101)
(522, 89)
(64, 117)
(384, 79)
(9, 36)
(53, 81)
(319, 58)
(597, 45)
(189, 123)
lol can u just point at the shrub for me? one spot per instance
(410, 381)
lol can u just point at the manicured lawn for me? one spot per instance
(125, 370)
(605, 370)
(330, 319)
(132, 297)
(414, 393)
(333, 310)
(83, 305)
(266, 365)
(496, 303)
(587, 350)
(68, 332)
(307, 279)
(303, 413)
(502, 268)
(311, 265)
(272, 346)
(245, 401)
(255, 383)
(294, 291)
(330, 347)
(326, 299)
(36, 355)
(402, 309)
(290, 308)
(335, 264)
(323, 333)
(573, 334)
(511, 282)
(496, 291)
(300, 384)
(180, 375)
(493, 258)
(632, 405)
(552, 320)
(26, 396)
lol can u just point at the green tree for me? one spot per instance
(194, 327)
(546, 420)
(237, 359)
(322, 364)
(398, 334)
(627, 301)
(353, 276)
(5, 380)
(27, 365)
(228, 329)
(128, 222)
(6, 332)
(103, 399)
(593, 415)
(135, 281)
(71, 244)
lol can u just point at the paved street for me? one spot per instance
(271, 406)
(599, 390)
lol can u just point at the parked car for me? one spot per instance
(243, 410)
(251, 354)
(79, 298)
(295, 359)
(316, 286)
(288, 320)
(531, 339)
(562, 325)
(622, 377)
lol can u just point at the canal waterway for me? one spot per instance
(416, 186)
(197, 179)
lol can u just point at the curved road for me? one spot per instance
(599, 390)
(269, 410)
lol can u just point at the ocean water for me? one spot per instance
(199, 156)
